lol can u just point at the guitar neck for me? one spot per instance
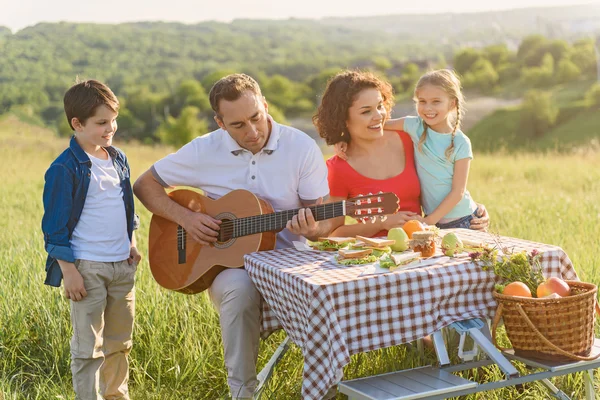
(278, 220)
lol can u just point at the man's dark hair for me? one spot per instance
(231, 88)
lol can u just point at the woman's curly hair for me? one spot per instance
(340, 93)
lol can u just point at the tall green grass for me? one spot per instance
(177, 350)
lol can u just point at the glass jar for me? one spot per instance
(424, 242)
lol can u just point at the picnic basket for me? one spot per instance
(557, 329)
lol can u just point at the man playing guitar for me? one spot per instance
(249, 151)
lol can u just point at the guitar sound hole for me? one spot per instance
(226, 231)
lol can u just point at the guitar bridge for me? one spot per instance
(181, 240)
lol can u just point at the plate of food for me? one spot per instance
(364, 251)
(402, 261)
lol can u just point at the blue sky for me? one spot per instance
(17, 14)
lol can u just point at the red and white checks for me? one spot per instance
(331, 313)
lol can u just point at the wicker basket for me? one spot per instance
(552, 329)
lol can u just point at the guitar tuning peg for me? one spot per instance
(380, 192)
(369, 211)
(373, 220)
(370, 194)
(358, 212)
(382, 218)
(358, 202)
(379, 210)
(369, 200)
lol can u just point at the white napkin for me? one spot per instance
(301, 246)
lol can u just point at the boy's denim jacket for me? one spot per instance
(65, 190)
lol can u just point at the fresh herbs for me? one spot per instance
(512, 266)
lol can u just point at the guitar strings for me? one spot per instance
(258, 221)
(325, 211)
(263, 222)
(248, 225)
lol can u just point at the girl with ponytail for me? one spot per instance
(442, 151)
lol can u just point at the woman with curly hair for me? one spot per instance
(353, 110)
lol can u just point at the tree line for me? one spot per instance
(162, 72)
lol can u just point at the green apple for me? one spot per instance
(400, 237)
(451, 244)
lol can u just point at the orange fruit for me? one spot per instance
(517, 289)
(412, 226)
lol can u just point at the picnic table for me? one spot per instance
(332, 312)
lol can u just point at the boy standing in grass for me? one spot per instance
(88, 228)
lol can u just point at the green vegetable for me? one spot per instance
(379, 252)
(386, 262)
(358, 261)
(327, 245)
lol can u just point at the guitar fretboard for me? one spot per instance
(278, 220)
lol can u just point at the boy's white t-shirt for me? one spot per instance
(101, 232)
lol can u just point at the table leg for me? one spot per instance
(487, 330)
(588, 377)
(264, 375)
(466, 355)
(559, 394)
(440, 348)
(489, 349)
(474, 328)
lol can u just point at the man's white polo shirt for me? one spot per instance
(290, 167)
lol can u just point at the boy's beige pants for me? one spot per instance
(102, 325)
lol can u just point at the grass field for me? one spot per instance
(177, 347)
(577, 126)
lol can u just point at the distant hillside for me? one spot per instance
(484, 27)
(51, 54)
(577, 126)
(40, 62)
(163, 53)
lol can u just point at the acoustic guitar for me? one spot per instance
(248, 224)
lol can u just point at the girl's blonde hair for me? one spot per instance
(447, 80)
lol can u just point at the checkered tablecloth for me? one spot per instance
(331, 312)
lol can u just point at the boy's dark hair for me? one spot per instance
(231, 88)
(83, 98)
